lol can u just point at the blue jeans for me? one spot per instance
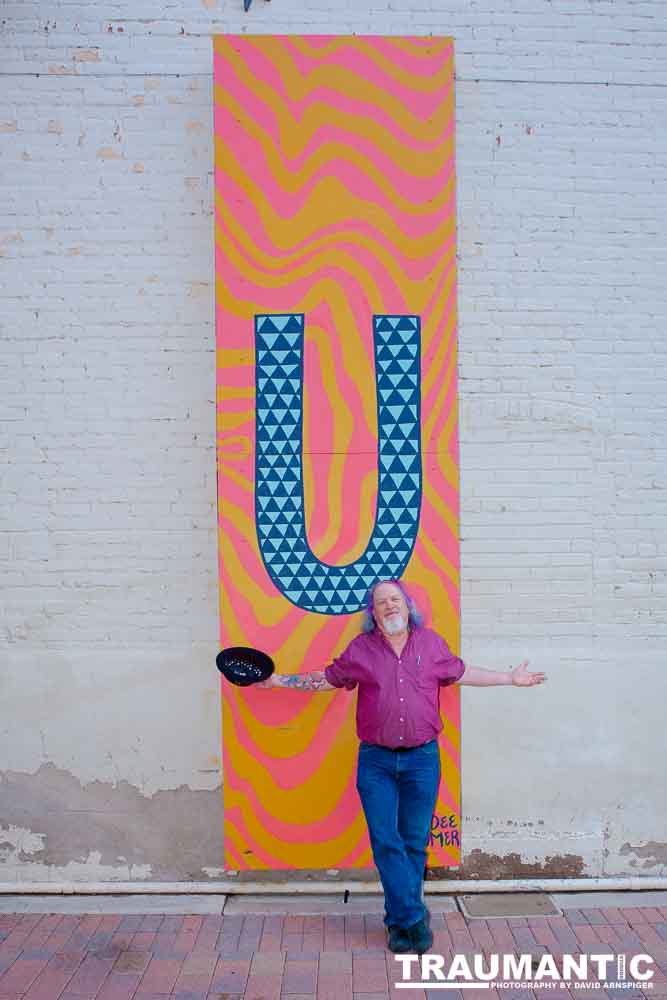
(398, 791)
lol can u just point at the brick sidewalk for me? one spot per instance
(150, 957)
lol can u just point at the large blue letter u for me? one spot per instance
(279, 509)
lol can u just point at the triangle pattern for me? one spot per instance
(296, 572)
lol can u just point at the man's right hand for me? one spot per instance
(270, 682)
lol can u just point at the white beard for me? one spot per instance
(394, 626)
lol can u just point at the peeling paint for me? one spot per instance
(480, 864)
(19, 843)
(653, 853)
(171, 835)
(107, 153)
(87, 55)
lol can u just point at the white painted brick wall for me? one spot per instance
(107, 524)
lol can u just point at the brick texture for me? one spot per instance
(107, 506)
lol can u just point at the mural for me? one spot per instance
(337, 437)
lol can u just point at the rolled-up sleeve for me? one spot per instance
(343, 672)
(449, 668)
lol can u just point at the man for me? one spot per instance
(399, 666)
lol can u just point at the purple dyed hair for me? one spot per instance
(415, 618)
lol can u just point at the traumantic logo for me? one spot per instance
(508, 971)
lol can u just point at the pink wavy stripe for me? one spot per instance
(429, 341)
(234, 376)
(226, 77)
(268, 708)
(445, 543)
(233, 442)
(236, 405)
(320, 830)
(233, 447)
(449, 588)
(321, 440)
(326, 644)
(429, 399)
(445, 490)
(356, 856)
(430, 184)
(413, 187)
(415, 268)
(448, 405)
(281, 708)
(265, 637)
(319, 414)
(285, 299)
(421, 105)
(424, 63)
(363, 437)
(233, 860)
(234, 494)
(248, 216)
(447, 801)
(349, 534)
(448, 747)
(290, 772)
(431, 346)
(236, 335)
(450, 703)
(445, 409)
(422, 597)
(234, 818)
(428, 62)
(360, 185)
(448, 491)
(359, 857)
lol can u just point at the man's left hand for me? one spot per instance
(521, 677)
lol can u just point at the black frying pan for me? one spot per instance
(243, 666)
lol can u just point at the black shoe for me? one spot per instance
(421, 937)
(398, 940)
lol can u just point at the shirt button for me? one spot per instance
(400, 737)
(401, 720)
(400, 680)
(400, 699)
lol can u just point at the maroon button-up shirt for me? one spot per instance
(397, 704)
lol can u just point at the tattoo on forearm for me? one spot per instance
(304, 682)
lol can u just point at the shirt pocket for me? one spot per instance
(427, 684)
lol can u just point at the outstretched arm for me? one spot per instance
(315, 681)
(515, 676)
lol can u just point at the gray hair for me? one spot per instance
(415, 617)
